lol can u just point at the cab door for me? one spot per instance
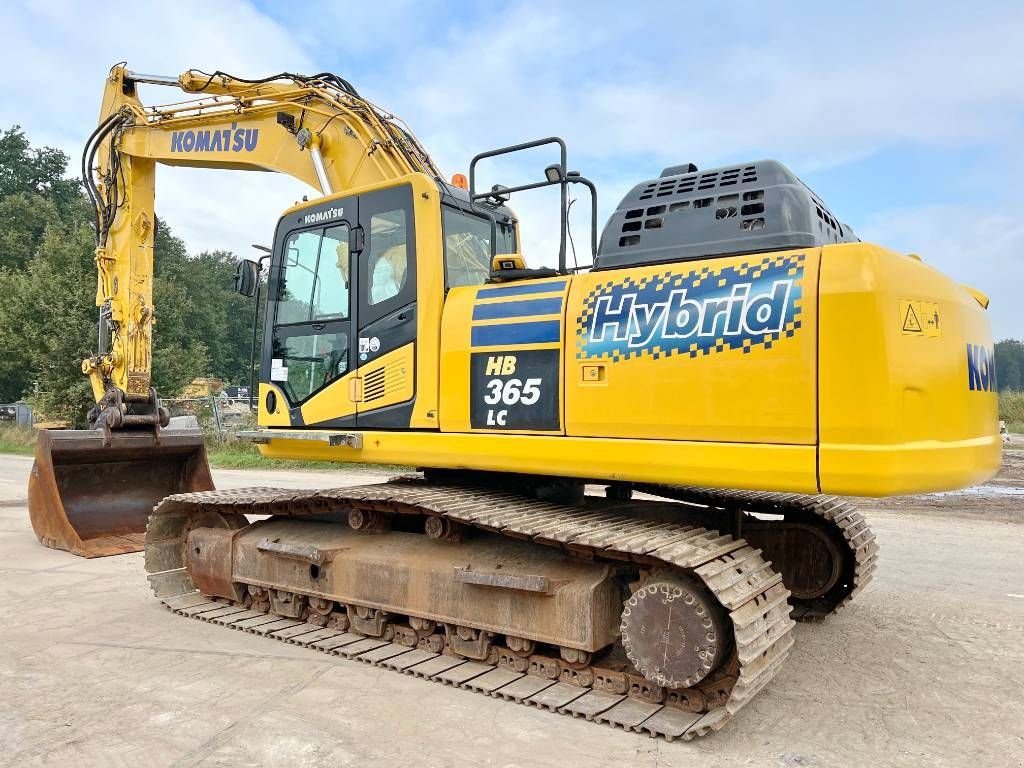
(386, 310)
(311, 313)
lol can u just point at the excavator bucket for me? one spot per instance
(92, 496)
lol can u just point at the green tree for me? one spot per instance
(15, 376)
(47, 293)
(51, 318)
(38, 171)
(1010, 365)
(207, 308)
(24, 217)
(179, 353)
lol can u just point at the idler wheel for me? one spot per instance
(673, 631)
(810, 560)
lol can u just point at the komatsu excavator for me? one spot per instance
(620, 508)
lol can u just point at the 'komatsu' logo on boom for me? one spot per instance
(739, 306)
(233, 139)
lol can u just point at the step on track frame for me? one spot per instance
(734, 572)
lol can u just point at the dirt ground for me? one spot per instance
(926, 668)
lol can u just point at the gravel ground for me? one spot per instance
(926, 668)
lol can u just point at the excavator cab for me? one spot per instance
(91, 491)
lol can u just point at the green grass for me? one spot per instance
(17, 440)
(235, 458)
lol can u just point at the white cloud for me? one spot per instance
(693, 86)
(817, 86)
(58, 55)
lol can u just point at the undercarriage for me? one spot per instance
(646, 614)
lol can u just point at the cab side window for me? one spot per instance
(330, 296)
(467, 247)
(298, 277)
(388, 260)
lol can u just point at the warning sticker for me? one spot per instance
(920, 318)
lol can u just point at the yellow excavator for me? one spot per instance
(630, 474)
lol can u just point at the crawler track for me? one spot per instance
(835, 516)
(735, 573)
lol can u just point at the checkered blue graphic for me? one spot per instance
(705, 310)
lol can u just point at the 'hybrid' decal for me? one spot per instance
(696, 312)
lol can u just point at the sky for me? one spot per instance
(906, 118)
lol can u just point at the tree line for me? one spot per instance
(48, 287)
(1010, 365)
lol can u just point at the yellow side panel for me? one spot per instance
(335, 401)
(279, 418)
(429, 299)
(719, 349)
(725, 465)
(903, 408)
(495, 334)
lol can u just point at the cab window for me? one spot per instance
(310, 344)
(388, 260)
(315, 277)
(308, 361)
(297, 277)
(330, 293)
(467, 247)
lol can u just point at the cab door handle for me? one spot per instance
(355, 389)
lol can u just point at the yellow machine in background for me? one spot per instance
(732, 352)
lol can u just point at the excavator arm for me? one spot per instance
(317, 129)
(91, 491)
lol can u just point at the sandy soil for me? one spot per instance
(926, 668)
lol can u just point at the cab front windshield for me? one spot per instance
(467, 246)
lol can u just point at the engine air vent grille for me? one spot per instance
(374, 385)
(671, 187)
(740, 209)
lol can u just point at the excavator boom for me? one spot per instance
(92, 491)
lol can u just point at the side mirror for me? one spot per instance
(247, 277)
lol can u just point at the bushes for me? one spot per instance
(1011, 410)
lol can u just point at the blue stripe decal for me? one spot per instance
(519, 289)
(516, 333)
(524, 308)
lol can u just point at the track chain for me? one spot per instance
(835, 513)
(740, 579)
